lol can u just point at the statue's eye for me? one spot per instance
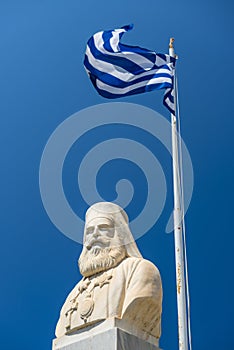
(89, 230)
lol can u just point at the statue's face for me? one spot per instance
(99, 232)
(103, 248)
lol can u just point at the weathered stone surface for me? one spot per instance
(112, 334)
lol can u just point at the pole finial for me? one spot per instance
(171, 43)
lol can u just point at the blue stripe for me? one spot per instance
(106, 36)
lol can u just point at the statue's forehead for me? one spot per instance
(100, 221)
(106, 209)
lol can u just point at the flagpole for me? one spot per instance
(178, 238)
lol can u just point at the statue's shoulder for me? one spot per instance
(130, 263)
(141, 262)
(142, 280)
(140, 266)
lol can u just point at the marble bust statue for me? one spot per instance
(117, 281)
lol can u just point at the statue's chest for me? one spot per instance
(90, 302)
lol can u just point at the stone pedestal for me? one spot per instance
(111, 334)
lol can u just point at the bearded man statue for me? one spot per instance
(117, 282)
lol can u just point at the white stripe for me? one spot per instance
(160, 61)
(169, 103)
(121, 91)
(114, 40)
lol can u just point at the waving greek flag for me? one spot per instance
(118, 70)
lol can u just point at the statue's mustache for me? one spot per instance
(102, 242)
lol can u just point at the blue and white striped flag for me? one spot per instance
(118, 70)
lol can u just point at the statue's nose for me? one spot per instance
(96, 232)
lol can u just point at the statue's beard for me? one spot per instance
(99, 259)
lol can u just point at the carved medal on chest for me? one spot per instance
(85, 306)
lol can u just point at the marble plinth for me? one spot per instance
(111, 334)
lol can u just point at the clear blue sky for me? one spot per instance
(43, 82)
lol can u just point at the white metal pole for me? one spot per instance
(179, 252)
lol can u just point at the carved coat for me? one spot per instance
(130, 291)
